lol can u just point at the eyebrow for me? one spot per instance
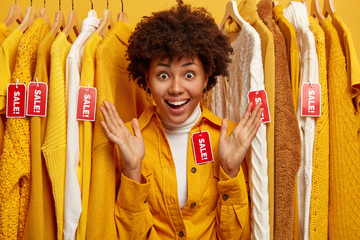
(161, 64)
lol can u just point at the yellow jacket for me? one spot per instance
(113, 84)
(344, 208)
(319, 209)
(15, 164)
(217, 206)
(85, 131)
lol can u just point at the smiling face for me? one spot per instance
(176, 86)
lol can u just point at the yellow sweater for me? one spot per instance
(54, 146)
(41, 221)
(4, 32)
(344, 207)
(247, 10)
(113, 85)
(85, 131)
(319, 205)
(15, 159)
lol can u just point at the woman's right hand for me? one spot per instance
(131, 147)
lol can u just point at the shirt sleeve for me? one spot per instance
(233, 212)
(132, 214)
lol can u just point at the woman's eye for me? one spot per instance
(163, 75)
(190, 75)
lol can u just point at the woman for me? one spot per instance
(181, 165)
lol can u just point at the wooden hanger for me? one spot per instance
(72, 23)
(44, 14)
(106, 21)
(315, 10)
(122, 16)
(232, 11)
(59, 21)
(329, 7)
(15, 14)
(30, 15)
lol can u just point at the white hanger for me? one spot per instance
(232, 11)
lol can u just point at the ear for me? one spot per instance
(206, 81)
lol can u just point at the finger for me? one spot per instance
(109, 118)
(254, 114)
(136, 128)
(108, 132)
(255, 129)
(116, 114)
(246, 115)
(223, 129)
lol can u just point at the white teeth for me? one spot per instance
(177, 103)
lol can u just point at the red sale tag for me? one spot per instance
(311, 100)
(202, 147)
(37, 99)
(260, 96)
(15, 101)
(86, 106)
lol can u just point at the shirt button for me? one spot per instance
(193, 205)
(181, 234)
(193, 169)
(225, 197)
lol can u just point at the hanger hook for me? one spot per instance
(107, 4)
(122, 6)
(15, 1)
(72, 4)
(30, 3)
(59, 5)
(92, 5)
(44, 3)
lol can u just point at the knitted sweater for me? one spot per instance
(54, 146)
(41, 221)
(319, 207)
(296, 13)
(85, 130)
(113, 85)
(287, 136)
(344, 208)
(15, 165)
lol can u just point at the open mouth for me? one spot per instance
(177, 104)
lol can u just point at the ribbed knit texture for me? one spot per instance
(85, 130)
(15, 165)
(54, 147)
(344, 207)
(4, 32)
(319, 206)
(113, 84)
(41, 220)
(287, 136)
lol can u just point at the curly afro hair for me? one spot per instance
(179, 32)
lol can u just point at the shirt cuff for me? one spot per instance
(232, 191)
(132, 195)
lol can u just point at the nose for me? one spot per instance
(176, 86)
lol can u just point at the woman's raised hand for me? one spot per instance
(131, 147)
(233, 148)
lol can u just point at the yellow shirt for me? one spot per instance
(344, 207)
(217, 206)
(54, 146)
(85, 130)
(291, 47)
(113, 84)
(15, 164)
(4, 32)
(319, 207)
(248, 11)
(41, 221)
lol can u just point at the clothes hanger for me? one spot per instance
(44, 14)
(30, 15)
(15, 14)
(72, 23)
(232, 11)
(315, 10)
(106, 21)
(329, 7)
(92, 12)
(122, 16)
(59, 21)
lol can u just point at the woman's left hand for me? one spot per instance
(233, 148)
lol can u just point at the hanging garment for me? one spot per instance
(296, 14)
(319, 207)
(344, 208)
(73, 178)
(54, 146)
(292, 49)
(248, 11)
(287, 136)
(85, 131)
(4, 32)
(41, 220)
(15, 165)
(113, 85)
(217, 205)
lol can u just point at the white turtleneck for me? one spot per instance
(178, 137)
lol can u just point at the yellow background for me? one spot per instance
(135, 9)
